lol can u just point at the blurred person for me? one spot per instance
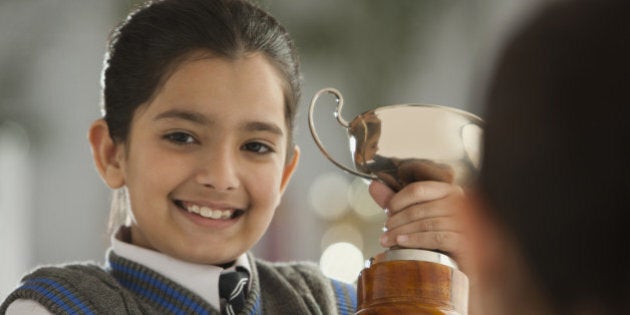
(549, 216)
(197, 144)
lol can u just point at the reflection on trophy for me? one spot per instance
(400, 144)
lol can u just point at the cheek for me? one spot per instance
(264, 185)
(155, 173)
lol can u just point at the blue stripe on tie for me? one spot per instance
(33, 284)
(156, 283)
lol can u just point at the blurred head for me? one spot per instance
(554, 179)
(199, 102)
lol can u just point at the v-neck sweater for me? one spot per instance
(123, 286)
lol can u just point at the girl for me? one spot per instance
(196, 140)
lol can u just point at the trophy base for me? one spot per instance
(412, 282)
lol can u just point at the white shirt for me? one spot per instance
(201, 279)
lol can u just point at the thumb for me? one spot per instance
(380, 193)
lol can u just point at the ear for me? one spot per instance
(289, 168)
(107, 154)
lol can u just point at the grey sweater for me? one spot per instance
(125, 287)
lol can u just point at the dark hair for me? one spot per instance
(156, 38)
(555, 170)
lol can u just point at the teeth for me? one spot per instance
(210, 213)
(206, 212)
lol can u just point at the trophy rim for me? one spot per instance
(413, 254)
(473, 117)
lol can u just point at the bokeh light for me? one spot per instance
(362, 203)
(327, 195)
(15, 201)
(342, 233)
(342, 261)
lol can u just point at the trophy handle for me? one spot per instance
(341, 121)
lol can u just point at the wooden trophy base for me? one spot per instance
(412, 282)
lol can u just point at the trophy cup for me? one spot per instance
(400, 144)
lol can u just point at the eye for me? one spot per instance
(257, 147)
(180, 138)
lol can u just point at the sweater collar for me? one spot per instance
(203, 280)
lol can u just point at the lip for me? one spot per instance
(208, 222)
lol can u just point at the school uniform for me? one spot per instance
(136, 280)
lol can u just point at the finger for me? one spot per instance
(451, 243)
(445, 207)
(380, 193)
(423, 170)
(446, 241)
(440, 224)
(420, 192)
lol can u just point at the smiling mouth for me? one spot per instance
(209, 213)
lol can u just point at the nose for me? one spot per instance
(217, 170)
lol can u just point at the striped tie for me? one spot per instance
(232, 290)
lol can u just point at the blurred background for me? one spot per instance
(53, 205)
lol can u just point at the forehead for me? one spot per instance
(209, 83)
(260, 58)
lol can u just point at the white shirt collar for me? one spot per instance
(201, 279)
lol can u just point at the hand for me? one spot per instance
(424, 215)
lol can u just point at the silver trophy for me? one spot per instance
(400, 144)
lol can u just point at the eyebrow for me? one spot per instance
(201, 119)
(263, 126)
(185, 115)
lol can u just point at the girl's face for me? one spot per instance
(204, 163)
